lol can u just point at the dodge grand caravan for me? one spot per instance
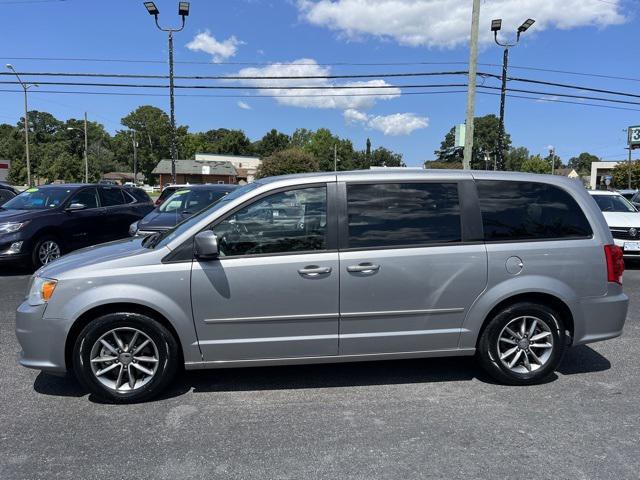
(370, 265)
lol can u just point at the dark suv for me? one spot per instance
(6, 193)
(42, 223)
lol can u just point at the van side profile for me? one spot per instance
(337, 267)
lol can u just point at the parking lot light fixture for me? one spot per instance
(151, 8)
(496, 26)
(183, 11)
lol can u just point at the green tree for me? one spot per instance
(582, 163)
(301, 137)
(514, 159)
(273, 141)
(621, 175)
(292, 160)
(536, 164)
(321, 145)
(382, 157)
(485, 141)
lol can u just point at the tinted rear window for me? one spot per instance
(392, 214)
(529, 211)
(112, 197)
(139, 194)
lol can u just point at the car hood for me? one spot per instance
(158, 220)
(19, 215)
(622, 219)
(126, 253)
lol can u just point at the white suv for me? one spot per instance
(623, 219)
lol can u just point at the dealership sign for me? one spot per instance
(634, 136)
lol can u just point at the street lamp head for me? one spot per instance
(183, 9)
(9, 66)
(496, 25)
(151, 8)
(526, 25)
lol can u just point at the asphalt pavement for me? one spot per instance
(435, 418)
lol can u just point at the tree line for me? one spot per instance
(57, 147)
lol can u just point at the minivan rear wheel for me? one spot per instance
(125, 357)
(522, 344)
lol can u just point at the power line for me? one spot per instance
(239, 77)
(325, 64)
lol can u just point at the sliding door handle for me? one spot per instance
(363, 268)
(314, 271)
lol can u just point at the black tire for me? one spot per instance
(38, 243)
(167, 355)
(487, 351)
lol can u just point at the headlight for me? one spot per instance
(41, 290)
(133, 229)
(11, 227)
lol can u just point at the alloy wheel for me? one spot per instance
(525, 344)
(124, 359)
(48, 252)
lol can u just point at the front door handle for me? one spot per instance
(363, 268)
(314, 271)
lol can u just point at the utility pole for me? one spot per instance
(25, 87)
(496, 25)
(629, 148)
(86, 150)
(183, 11)
(552, 156)
(471, 89)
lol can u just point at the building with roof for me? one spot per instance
(196, 171)
(601, 172)
(246, 166)
(123, 177)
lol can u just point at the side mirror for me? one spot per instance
(76, 206)
(206, 245)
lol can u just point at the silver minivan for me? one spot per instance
(337, 267)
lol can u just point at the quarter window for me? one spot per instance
(529, 211)
(393, 214)
(291, 221)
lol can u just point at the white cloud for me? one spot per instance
(205, 42)
(395, 124)
(346, 95)
(445, 23)
(244, 105)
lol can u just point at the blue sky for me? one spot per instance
(590, 36)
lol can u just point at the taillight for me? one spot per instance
(157, 202)
(615, 263)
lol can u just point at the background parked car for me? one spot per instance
(623, 219)
(167, 191)
(42, 223)
(182, 204)
(636, 200)
(6, 193)
(628, 193)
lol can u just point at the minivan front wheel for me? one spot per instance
(125, 357)
(522, 344)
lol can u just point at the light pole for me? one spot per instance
(552, 156)
(496, 25)
(86, 148)
(25, 87)
(183, 11)
(135, 157)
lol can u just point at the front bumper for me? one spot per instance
(627, 254)
(42, 341)
(601, 318)
(8, 242)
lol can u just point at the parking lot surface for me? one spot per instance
(436, 418)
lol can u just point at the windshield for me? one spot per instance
(191, 201)
(614, 203)
(38, 199)
(162, 239)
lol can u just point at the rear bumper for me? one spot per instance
(602, 318)
(42, 341)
